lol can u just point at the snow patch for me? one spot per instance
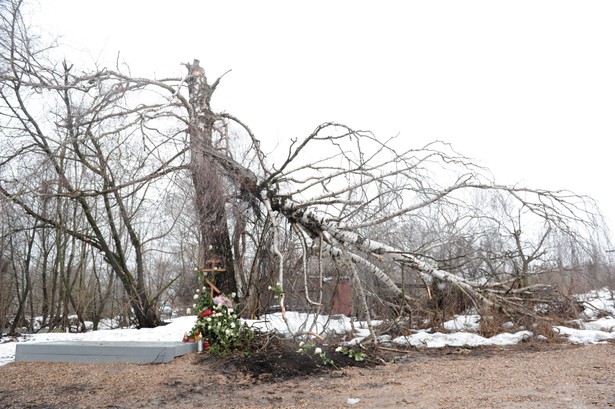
(597, 302)
(463, 323)
(600, 324)
(584, 336)
(459, 339)
(594, 329)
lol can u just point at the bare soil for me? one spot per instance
(531, 375)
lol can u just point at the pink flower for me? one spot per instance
(223, 300)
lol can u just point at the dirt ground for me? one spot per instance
(531, 375)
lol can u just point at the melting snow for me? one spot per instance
(596, 304)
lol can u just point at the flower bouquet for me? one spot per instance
(217, 326)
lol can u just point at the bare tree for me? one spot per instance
(87, 142)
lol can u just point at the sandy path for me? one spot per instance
(529, 377)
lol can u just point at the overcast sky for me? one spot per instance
(525, 87)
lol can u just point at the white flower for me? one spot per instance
(228, 332)
(196, 296)
(233, 295)
(230, 310)
(339, 349)
(193, 305)
(204, 288)
(232, 325)
(301, 344)
(188, 311)
(269, 288)
(318, 351)
(208, 319)
(198, 291)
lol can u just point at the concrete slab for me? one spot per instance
(100, 351)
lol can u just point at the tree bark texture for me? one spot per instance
(209, 185)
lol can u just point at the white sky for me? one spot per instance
(525, 87)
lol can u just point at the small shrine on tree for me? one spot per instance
(217, 328)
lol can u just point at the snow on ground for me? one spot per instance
(174, 331)
(300, 323)
(600, 324)
(460, 339)
(463, 323)
(597, 325)
(584, 336)
(598, 302)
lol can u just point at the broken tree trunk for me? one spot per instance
(210, 191)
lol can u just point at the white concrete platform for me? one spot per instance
(100, 351)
